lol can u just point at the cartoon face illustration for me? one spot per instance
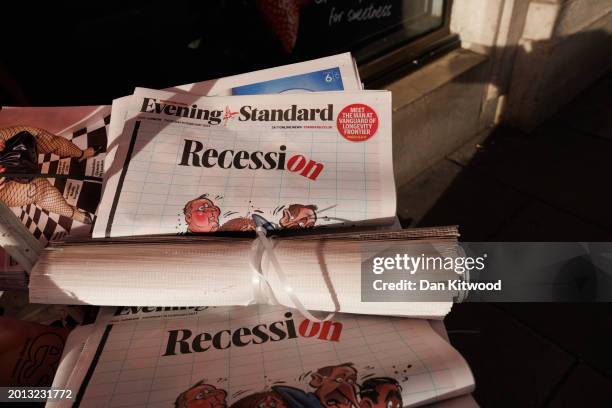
(335, 386)
(201, 215)
(203, 396)
(381, 392)
(272, 400)
(299, 216)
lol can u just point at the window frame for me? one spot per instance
(412, 55)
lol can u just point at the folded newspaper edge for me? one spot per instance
(323, 271)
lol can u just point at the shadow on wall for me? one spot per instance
(547, 74)
(549, 184)
(515, 185)
(551, 176)
(546, 185)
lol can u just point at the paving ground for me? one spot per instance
(553, 184)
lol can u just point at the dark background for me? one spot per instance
(550, 184)
(532, 355)
(88, 53)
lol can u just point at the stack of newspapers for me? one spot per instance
(193, 173)
(233, 220)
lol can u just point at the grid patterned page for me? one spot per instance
(155, 361)
(179, 174)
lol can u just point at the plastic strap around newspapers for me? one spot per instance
(264, 293)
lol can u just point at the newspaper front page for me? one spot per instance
(260, 356)
(333, 73)
(207, 164)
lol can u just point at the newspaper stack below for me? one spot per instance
(259, 356)
(225, 215)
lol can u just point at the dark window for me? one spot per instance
(90, 53)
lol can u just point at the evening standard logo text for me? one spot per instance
(293, 113)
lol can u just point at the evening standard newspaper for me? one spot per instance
(257, 356)
(333, 73)
(286, 161)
